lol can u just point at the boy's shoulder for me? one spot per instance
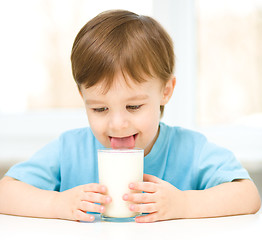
(182, 134)
(79, 139)
(180, 140)
(76, 132)
(77, 135)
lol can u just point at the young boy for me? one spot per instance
(123, 65)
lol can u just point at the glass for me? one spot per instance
(117, 169)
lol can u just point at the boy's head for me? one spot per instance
(121, 42)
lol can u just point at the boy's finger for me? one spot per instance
(94, 187)
(82, 216)
(139, 197)
(143, 208)
(90, 207)
(143, 186)
(95, 197)
(151, 178)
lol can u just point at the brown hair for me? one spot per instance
(119, 40)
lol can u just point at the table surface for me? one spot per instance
(223, 228)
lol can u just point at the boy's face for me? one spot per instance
(127, 115)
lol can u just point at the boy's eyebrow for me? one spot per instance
(136, 97)
(93, 101)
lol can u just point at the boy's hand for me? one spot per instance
(74, 203)
(160, 199)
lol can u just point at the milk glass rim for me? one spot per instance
(120, 150)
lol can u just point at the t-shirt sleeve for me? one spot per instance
(42, 169)
(217, 165)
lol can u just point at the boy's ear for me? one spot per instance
(168, 90)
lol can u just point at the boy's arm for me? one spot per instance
(163, 201)
(19, 198)
(232, 198)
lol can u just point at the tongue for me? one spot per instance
(125, 142)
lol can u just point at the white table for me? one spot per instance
(237, 227)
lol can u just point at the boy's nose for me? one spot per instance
(118, 121)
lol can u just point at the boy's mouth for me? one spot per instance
(123, 142)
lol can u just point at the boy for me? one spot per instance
(123, 65)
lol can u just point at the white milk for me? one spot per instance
(117, 168)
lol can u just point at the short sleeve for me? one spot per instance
(42, 169)
(217, 165)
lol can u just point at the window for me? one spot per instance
(38, 96)
(218, 70)
(230, 62)
(229, 76)
(36, 47)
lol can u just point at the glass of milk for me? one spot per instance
(117, 169)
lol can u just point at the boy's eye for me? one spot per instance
(103, 109)
(133, 107)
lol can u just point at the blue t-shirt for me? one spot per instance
(179, 156)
